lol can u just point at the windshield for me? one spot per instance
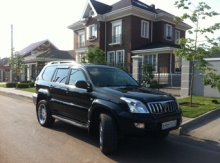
(110, 77)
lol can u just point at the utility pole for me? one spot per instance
(12, 64)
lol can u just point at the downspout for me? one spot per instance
(151, 39)
(171, 76)
(105, 38)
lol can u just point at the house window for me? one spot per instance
(144, 29)
(151, 59)
(177, 36)
(120, 57)
(81, 39)
(111, 58)
(169, 32)
(178, 64)
(92, 32)
(117, 32)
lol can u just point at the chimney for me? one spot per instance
(153, 6)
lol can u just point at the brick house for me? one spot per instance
(131, 33)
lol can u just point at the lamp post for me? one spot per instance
(12, 62)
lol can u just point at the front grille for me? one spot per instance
(162, 107)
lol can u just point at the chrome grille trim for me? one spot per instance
(162, 106)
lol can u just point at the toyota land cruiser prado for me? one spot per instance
(104, 100)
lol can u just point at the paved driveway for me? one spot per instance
(207, 128)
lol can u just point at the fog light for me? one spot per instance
(139, 125)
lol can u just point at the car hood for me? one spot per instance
(139, 93)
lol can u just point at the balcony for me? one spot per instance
(116, 40)
(81, 44)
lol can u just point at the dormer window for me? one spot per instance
(91, 13)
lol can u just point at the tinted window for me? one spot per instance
(48, 73)
(104, 77)
(61, 75)
(75, 76)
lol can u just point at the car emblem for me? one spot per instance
(165, 107)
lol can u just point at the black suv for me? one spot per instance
(104, 100)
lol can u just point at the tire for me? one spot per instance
(108, 139)
(44, 115)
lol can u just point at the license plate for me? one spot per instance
(169, 124)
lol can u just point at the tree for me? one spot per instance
(17, 62)
(94, 55)
(191, 48)
(147, 74)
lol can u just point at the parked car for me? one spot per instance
(104, 100)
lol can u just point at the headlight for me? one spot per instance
(135, 106)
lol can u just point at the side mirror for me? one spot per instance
(82, 84)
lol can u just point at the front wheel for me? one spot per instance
(44, 115)
(108, 139)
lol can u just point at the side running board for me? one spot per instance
(71, 122)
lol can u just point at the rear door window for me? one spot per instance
(61, 75)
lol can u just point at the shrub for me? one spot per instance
(11, 84)
(31, 84)
(26, 81)
(23, 85)
(154, 84)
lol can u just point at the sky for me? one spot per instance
(37, 20)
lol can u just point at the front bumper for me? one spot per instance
(34, 98)
(151, 122)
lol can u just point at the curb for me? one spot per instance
(199, 120)
(182, 130)
(16, 94)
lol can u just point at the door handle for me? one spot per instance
(67, 90)
(51, 86)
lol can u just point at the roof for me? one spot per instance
(3, 61)
(158, 45)
(32, 46)
(102, 8)
(136, 3)
(50, 55)
(57, 54)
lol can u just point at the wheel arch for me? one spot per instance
(99, 107)
(43, 94)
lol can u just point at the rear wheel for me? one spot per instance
(108, 138)
(44, 115)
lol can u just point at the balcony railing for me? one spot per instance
(81, 44)
(116, 39)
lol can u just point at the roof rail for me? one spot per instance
(62, 62)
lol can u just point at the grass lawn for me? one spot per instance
(203, 105)
(3, 85)
(32, 89)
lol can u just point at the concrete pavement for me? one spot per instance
(187, 127)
